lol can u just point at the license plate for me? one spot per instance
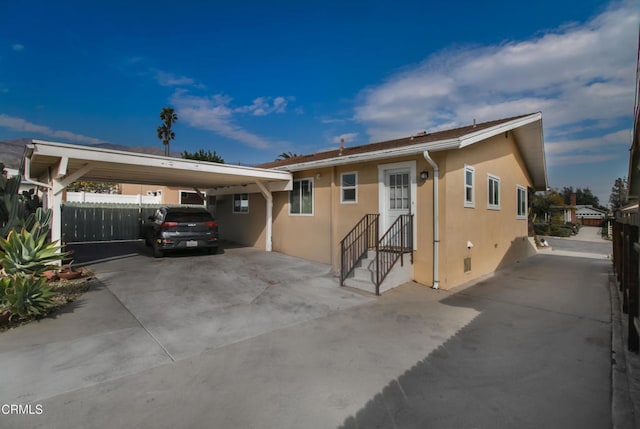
(192, 243)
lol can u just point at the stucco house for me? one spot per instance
(462, 194)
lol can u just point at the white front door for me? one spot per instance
(397, 191)
(398, 195)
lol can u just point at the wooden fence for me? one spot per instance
(626, 256)
(92, 222)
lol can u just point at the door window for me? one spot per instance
(398, 191)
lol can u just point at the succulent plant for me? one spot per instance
(24, 296)
(27, 253)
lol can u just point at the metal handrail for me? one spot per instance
(392, 246)
(356, 243)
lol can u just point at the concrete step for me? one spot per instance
(366, 286)
(363, 277)
(363, 274)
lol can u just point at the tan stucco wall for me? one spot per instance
(498, 237)
(170, 195)
(243, 228)
(305, 236)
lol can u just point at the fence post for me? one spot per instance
(342, 263)
(632, 288)
(402, 241)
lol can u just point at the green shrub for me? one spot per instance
(541, 228)
(560, 231)
(25, 296)
(23, 253)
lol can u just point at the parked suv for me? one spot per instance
(179, 228)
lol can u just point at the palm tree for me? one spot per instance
(165, 134)
(286, 155)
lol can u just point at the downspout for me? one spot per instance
(436, 225)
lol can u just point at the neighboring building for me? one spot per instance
(590, 216)
(167, 194)
(468, 189)
(582, 214)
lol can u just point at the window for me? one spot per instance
(301, 197)
(469, 186)
(522, 202)
(493, 189)
(399, 191)
(191, 198)
(349, 188)
(241, 203)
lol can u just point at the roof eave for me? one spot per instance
(372, 156)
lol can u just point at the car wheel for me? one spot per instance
(157, 252)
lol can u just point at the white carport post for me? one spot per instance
(60, 180)
(266, 193)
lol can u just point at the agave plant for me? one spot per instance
(24, 295)
(23, 253)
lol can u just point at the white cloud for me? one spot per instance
(17, 47)
(169, 79)
(348, 138)
(621, 138)
(263, 106)
(582, 159)
(577, 73)
(214, 114)
(19, 124)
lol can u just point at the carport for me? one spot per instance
(55, 166)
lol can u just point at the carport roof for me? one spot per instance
(45, 159)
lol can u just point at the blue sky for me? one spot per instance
(251, 79)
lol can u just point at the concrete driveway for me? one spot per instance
(143, 312)
(527, 348)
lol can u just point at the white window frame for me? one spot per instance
(522, 189)
(233, 204)
(467, 203)
(204, 203)
(496, 180)
(313, 197)
(343, 188)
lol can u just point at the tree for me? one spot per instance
(584, 197)
(619, 193)
(286, 155)
(201, 155)
(547, 206)
(165, 134)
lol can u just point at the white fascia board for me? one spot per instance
(60, 150)
(419, 148)
(478, 136)
(373, 156)
(251, 188)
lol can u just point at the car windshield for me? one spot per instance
(173, 216)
